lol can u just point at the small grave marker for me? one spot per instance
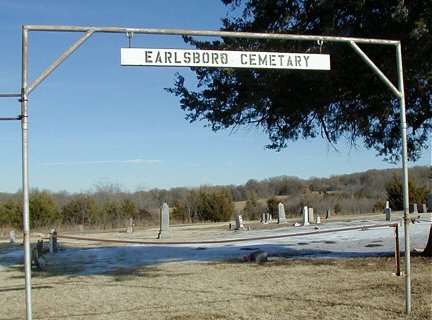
(12, 236)
(164, 222)
(387, 212)
(239, 222)
(311, 215)
(264, 218)
(130, 226)
(281, 213)
(305, 216)
(53, 247)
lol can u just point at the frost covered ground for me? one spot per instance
(94, 257)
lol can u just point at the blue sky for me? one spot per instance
(94, 122)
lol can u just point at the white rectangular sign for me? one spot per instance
(223, 59)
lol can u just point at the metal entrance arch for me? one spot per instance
(27, 88)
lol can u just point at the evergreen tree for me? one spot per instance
(350, 101)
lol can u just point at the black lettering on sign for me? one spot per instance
(224, 58)
(147, 56)
(196, 57)
(306, 58)
(187, 57)
(262, 59)
(215, 58)
(158, 57)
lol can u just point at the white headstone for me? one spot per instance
(239, 222)
(311, 215)
(164, 222)
(281, 213)
(12, 236)
(387, 205)
(267, 217)
(130, 226)
(305, 216)
(263, 218)
(318, 221)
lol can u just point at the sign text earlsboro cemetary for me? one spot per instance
(223, 59)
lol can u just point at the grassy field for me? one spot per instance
(362, 288)
(286, 287)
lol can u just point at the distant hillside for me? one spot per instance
(109, 205)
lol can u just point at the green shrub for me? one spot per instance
(272, 206)
(11, 213)
(43, 209)
(395, 194)
(253, 208)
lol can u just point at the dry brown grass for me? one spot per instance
(284, 289)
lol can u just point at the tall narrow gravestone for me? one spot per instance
(239, 222)
(281, 213)
(164, 222)
(130, 226)
(305, 216)
(387, 204)
(311, 215)
(12, 236)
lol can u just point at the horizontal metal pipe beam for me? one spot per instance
(366, 227)
(206, 33)
(8, 119)
(9, 95)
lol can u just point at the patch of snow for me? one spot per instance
(343, 244)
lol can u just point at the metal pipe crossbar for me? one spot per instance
(297, 234)
(207, 33)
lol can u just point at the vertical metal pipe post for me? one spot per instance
(404, 178)
(25, 175)
(397, 250)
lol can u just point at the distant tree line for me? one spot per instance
(109, 206)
